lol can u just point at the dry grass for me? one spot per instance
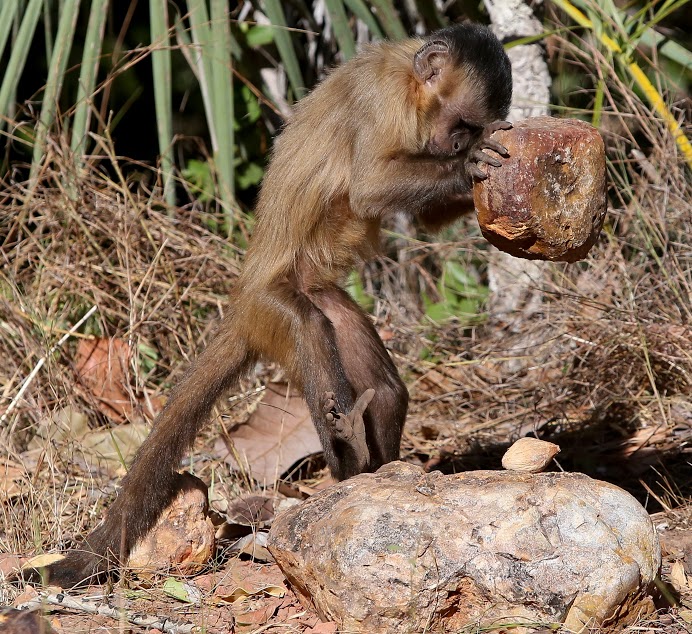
(158, 282)
(603, 366)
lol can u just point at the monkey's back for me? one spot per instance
(305, 218)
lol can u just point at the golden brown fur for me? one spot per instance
(397, 129)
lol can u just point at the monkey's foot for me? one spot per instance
(350, 428)
(486, 143)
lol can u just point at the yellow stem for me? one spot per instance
(652, 95)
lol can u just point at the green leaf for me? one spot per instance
(182, 591)
(199, 175)
(598, 104)
(389, 19)
(9, 9)
(457, 280)
(355, 288)
(20, 51)
(282, 37)
(93, 42)
(672, 50)
(56, 75)
(223, 102)
(462, 296)
(251, 175)
(532, 39)
(342, 30)
(252, 106)
(148, 356)
(259, 35)
(363, 13)
(438, 312)
(163, 100)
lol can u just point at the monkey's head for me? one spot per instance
(465, 83)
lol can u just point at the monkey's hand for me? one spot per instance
(484, 142)
(350, 428)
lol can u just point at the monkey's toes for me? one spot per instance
(350, 429)
(363, 402)
(329, 406)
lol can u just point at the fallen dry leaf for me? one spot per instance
(251, 510)
(646, 437)
(233, 593)
(260, 615)
(246, 579)
(278, 434)
(323, 628)
(678, 577)
(9, 564)
(29, 593)
(41, 561)
(437, 383)
(108, 448)
(101, 367)
(62, 425)
(676, 543)
(253, 545)
(11, 478)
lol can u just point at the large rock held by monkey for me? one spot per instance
(548, 199)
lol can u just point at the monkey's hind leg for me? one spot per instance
(296, 334)
(367, 365)
(350, 428)
(150, 484)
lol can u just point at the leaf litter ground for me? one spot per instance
(603, 367)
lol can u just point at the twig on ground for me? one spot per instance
(82, 605)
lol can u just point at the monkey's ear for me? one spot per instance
(430, 59)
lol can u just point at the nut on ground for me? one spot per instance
(529, 455)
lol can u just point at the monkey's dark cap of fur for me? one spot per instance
(477, 48)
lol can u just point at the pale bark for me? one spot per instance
(515, 284)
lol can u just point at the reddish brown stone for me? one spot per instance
(548, 199)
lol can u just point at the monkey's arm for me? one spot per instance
(435, 188)
(435, 217)
(406, 183)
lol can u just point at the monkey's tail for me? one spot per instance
(150, 484)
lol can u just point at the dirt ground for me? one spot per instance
(600, 364)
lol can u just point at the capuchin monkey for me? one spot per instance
(397, 129)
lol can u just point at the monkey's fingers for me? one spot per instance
(496, 146)
(478, 155)
(475, 171)
(498, 125)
